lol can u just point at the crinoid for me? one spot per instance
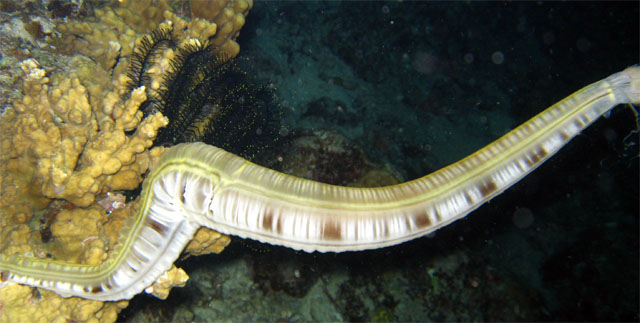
(207, 97)
(147, 50)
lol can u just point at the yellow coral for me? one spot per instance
(207, 241)
(228, 16)
(174, 277)
(78, 235)
(376, 178)
(24, 304)
(75, 157)
(112, 33)
(77, 134)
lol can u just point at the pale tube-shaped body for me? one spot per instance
(197, 185)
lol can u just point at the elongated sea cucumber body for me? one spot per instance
(197, 185)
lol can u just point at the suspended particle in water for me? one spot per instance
(497, 58)
(468, 58)
(283, 131)
(522, 217)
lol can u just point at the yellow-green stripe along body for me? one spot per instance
(197, 185)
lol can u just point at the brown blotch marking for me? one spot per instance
(267, 220)
(4, 276)
(331, 230)
(96, 289)
(564, 136)
(468, 198)
(538, 155)
(488, 188)
(157, 227)
(422, 219)
(279, 225)
(182, 192)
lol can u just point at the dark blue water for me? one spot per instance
(417, 86)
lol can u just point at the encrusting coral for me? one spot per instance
(78, 134)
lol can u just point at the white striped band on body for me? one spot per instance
(197, 185)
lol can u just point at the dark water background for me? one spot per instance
(420, 85)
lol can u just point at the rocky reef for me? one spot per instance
(75, 133)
